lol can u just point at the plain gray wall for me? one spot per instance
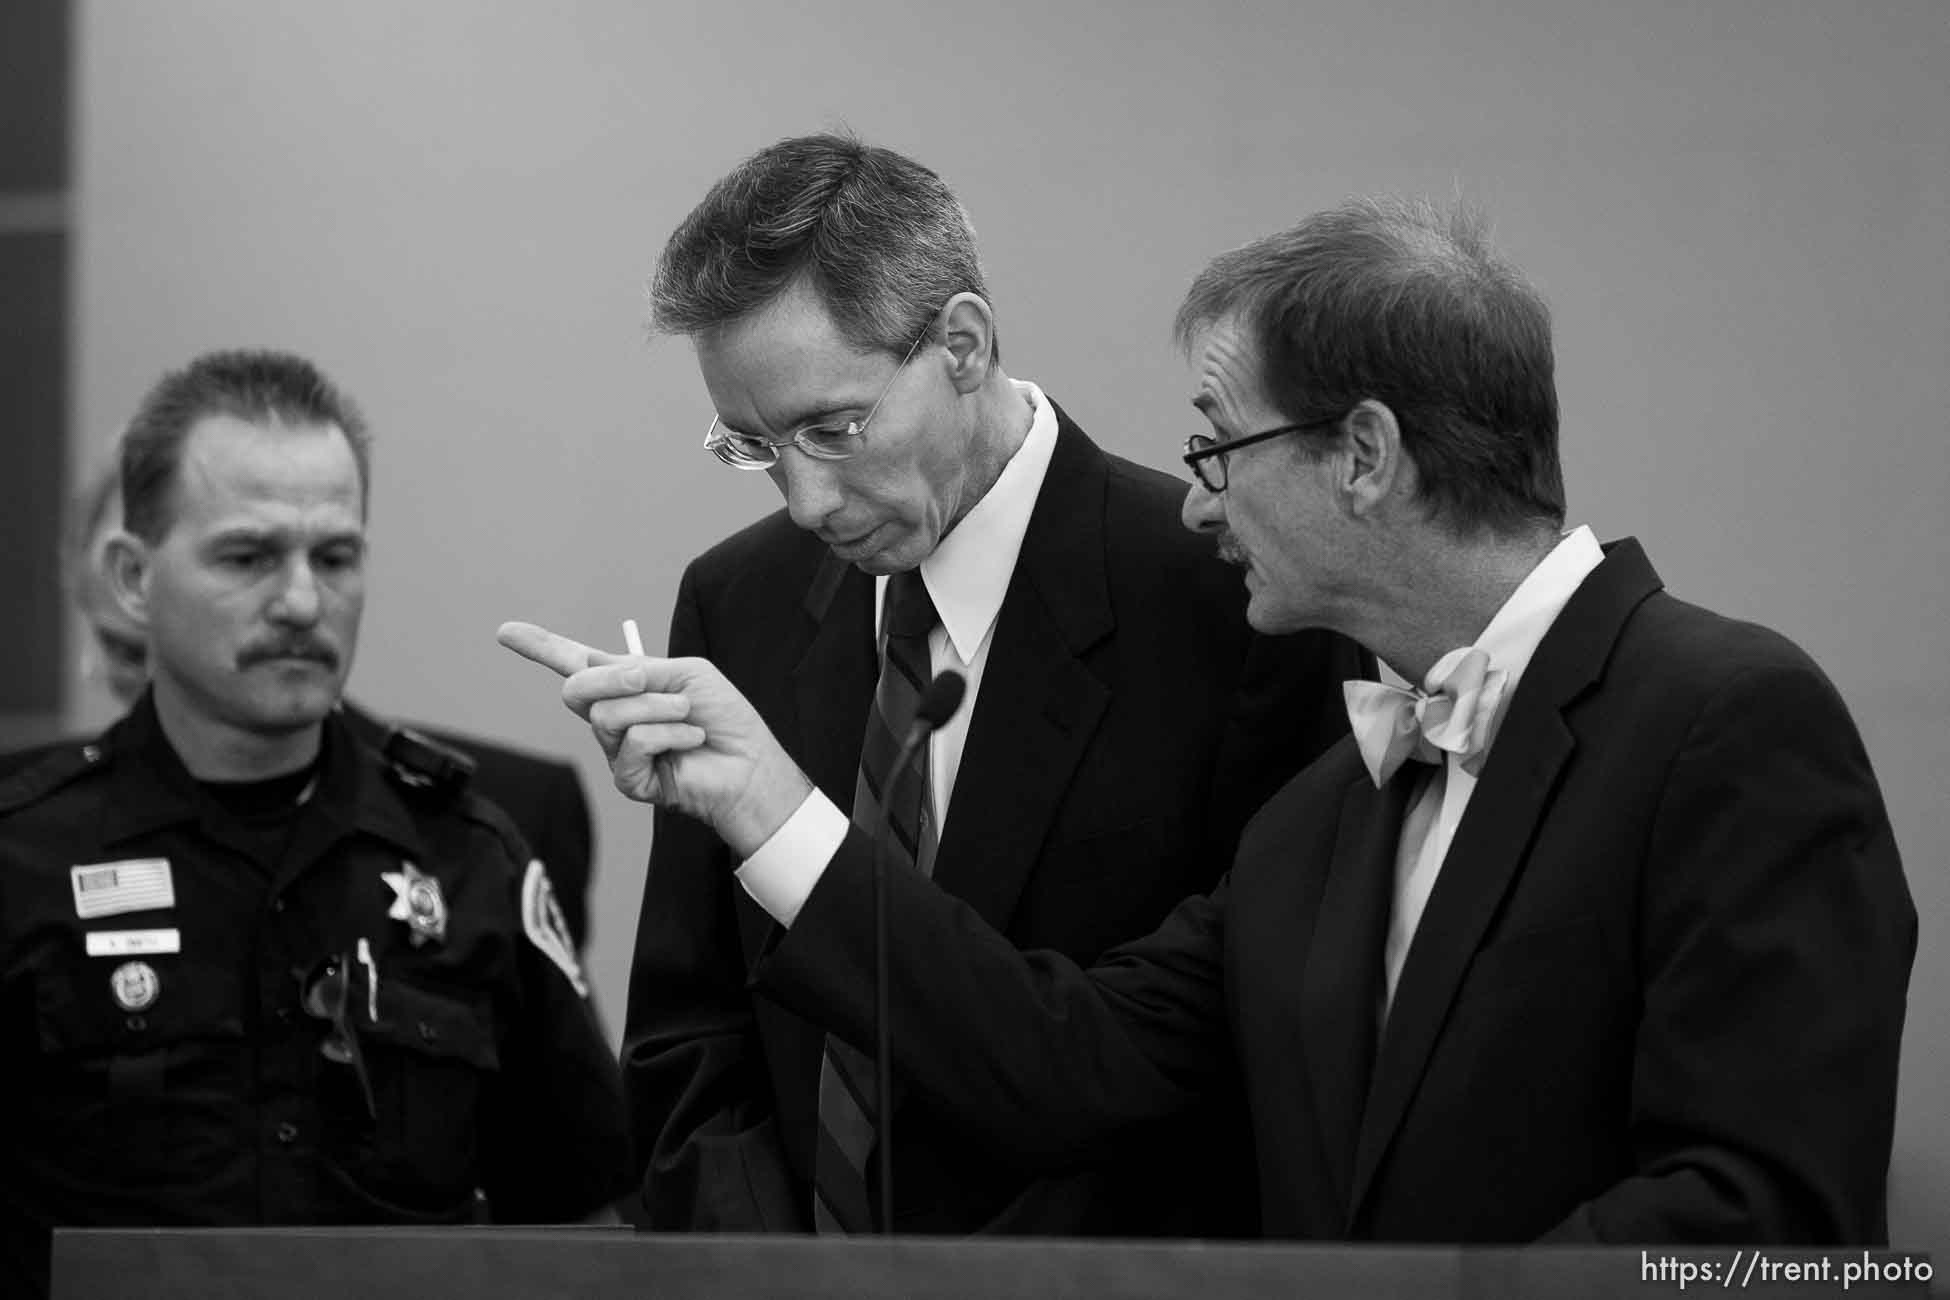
(1738, 209)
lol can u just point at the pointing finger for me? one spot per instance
(547, 648)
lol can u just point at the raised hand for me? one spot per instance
(676, 734)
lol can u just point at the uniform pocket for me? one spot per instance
(140, 1066)
(131, 1007)
(430, 1054)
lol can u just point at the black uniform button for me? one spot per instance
(428, 1034)
(287, 1133)
(137, 1023)
(286, 1015)
(277, 905)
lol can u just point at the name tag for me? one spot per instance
(112, 888)
(128, 943)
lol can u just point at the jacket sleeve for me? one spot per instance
(700, 1098)
(1050, 1062)
(556, 1140)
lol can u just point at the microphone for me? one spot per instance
(937, 704)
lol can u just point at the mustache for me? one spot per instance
(1230, 551)
(288, 648)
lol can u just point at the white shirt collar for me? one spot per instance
(1513, 635)
(968, 573)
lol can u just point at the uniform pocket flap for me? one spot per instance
(434, 1023)
(130, 1006)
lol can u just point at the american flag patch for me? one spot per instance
(112, 888)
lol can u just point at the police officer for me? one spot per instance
(541, 794)
(253, 970)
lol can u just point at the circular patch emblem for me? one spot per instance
(135, 984)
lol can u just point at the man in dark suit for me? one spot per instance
(1597, 933)
(543, 796)
(846, 337)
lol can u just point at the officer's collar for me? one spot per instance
(356, 786)
(153, 788)
(158, 791)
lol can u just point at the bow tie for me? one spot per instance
(1456, 715)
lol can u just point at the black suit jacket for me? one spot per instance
(1128, 722)
(542, 796)
(1657, 993)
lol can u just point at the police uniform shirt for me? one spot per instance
(357, 1009)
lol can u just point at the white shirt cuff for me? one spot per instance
(780, 873)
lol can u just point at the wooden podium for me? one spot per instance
(560, 1263)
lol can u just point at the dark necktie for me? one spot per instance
(848, 1113)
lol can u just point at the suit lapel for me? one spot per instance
(1509, 803)
(1039, 703)
(1341, 983)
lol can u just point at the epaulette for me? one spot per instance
(423, 767)
(62, 763)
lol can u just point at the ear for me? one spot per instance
(125, 566)
(968, 329)
(1376, 469)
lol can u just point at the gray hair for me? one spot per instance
(878, 237)
(261, 387)
(1402, 302)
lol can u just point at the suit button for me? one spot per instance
(285, 1015)
(287, 1133)
(277, 905)
(428, 1034)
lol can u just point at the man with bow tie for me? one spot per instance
(1595, 930)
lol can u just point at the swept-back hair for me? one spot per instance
(258, 386)
(878, 237)
(1402, 302)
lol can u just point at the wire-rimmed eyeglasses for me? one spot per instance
(1205, 454)
(820, 441)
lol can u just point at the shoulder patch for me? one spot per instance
(48, 772)
(541, 918)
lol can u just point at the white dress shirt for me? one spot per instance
(1429, 827)
(967, 576)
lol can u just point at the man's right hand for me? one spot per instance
(676, 734)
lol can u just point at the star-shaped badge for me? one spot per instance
(417, 900)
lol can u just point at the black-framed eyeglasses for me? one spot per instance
(1205, 454)
(820, 441)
